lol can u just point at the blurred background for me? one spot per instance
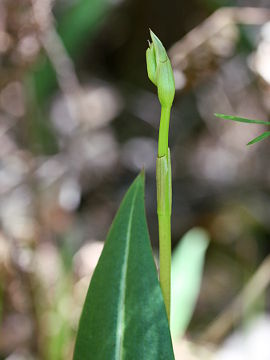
(79, 119)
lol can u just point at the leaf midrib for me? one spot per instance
(121, 304)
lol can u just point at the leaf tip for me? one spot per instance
(219, 115)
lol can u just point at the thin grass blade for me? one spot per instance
(259, 138)
(242, 119)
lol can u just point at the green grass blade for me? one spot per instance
(124, 314)
(187, 268)
(259, 138)
(241, 119)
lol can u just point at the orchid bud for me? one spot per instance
(151, 63)
(160, 71)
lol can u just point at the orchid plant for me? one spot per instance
(126, 314)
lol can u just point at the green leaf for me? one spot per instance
(124, 314)
(259, 138)
(241, 119)
(187, 269)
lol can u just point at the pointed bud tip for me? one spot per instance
(159, 48)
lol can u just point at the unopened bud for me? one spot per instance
(160, 71)
(151, 64)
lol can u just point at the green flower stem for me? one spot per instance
(164, 196)
(164, 131)
(164, 223)
(160, 73)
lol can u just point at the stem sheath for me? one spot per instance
(164, 223)
(164, 196)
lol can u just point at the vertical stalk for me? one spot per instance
(164, 131)
(164, 224)
(160, 73)
(164, 195)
